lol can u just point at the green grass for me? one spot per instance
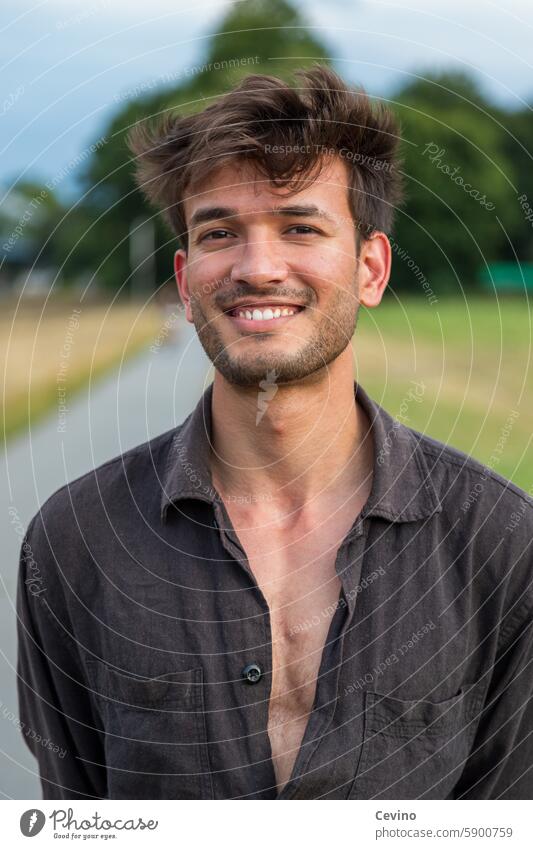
(32, 333)
(474, 359)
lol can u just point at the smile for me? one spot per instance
(265, 318)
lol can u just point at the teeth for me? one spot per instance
(265, 315)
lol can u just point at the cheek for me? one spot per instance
(207, 276)
(327, 268)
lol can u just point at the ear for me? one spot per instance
(180, 271)
(374, 267)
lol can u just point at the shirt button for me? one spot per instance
(252, 673)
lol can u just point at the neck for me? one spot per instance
(291, 445)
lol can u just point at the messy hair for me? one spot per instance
(285, 132)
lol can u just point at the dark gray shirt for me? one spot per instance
(145, 644)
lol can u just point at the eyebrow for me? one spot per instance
(216, 213)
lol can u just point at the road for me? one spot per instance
(148, 395)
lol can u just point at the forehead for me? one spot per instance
(239, 184)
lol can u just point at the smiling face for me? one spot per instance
(271, 281)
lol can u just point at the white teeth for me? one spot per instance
(267, 314)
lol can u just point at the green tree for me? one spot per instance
(243, 42)
(459, 183)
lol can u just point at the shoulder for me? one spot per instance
(84, 500)
(458, 472)
(487, 519)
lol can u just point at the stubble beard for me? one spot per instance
(330, 336)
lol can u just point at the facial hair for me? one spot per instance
(330, 334)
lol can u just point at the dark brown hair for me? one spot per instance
(285, 132)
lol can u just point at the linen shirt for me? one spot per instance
(145, 642)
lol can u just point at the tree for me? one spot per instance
(251, 32)
(459, 183)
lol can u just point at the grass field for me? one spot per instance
(49, 351)
(472, 360)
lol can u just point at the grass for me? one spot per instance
(472, 357)
(47, 348)
(474, 360)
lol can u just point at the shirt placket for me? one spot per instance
(349, 571)
(348, 565)
(255, 670)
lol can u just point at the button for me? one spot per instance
(252, 673)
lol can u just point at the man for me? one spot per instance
(291, 595)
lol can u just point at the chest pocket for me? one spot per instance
(155, 733)
(414, 749)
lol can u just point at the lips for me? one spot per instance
(262, 305)
(265, 312)
(266, 318)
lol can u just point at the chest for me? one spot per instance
(297, 576)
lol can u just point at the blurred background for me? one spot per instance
(96, 354)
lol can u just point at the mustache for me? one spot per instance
(281, 293)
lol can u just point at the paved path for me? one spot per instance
(147, 396)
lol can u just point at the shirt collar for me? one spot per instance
(402, 490)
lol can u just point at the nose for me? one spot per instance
(259, 262)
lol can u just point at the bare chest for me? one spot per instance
(296, 574)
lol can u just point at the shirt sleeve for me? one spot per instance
(57, 719)
(500, 765)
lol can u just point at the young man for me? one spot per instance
(284, 597)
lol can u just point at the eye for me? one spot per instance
(305, 228)
(215, 234)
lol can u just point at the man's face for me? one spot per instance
(254, 253)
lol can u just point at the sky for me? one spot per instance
(67, 65)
